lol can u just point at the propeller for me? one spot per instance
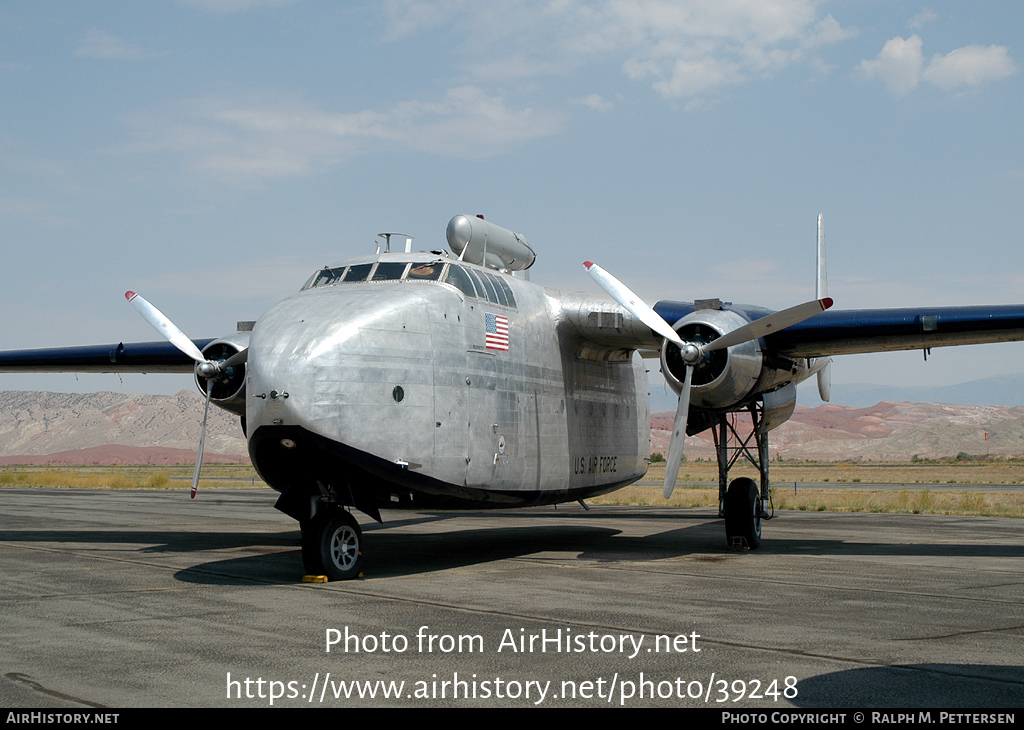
(693, 352)
(821, 290)
(207, 369)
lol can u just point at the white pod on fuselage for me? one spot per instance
(481, 242)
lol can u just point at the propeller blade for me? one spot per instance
(237, 359)
(675, 447)
(767, 325)
(164, 326)
(825, 381)
(202, 439)
(633, 304)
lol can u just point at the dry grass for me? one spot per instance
(950, 472)
(220, 476)
(902, 501)
(698, 487)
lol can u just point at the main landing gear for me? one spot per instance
(331, 544)
(743, 504)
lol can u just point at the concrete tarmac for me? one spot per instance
(143, 599)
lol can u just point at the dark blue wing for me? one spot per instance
(852, 331)
(134, 357)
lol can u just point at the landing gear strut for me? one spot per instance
(332, 544)
(742, 503)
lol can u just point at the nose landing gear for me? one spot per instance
(332, 545)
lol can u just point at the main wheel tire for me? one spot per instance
(332, 545)
(742, 523)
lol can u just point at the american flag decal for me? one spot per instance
(496, 329)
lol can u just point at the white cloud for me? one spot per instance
(247, 143)
(690, 78)
(682, 49)
(466, 123)
(900, 65)
(827, 30)
(969, 66)
(923, 18)
(100, 44)
(596, 101)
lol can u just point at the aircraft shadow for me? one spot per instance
(390, 553)
(401, 554)
(916, 685)
(153, 541)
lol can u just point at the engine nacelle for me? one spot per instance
(722, 378)
(229, 386)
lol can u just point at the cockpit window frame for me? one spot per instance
(352, 269)
(470, 281)
(390, 266)
(467, 287)
(508, 292)
(437, 269)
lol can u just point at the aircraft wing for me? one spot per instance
(134, 357)
(854, 331)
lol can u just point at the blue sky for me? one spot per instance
(210, 154)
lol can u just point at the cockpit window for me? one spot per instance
(310, 280)
(457, 277)
(489, 287)
(508, 291)
(359, 272)
(470, 281)
(389, 270)
(475, 276)
(426, 272)
(496, 283)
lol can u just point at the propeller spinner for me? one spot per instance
(693, 352)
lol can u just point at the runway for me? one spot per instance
(142, 599)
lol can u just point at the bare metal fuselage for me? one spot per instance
(387, 393)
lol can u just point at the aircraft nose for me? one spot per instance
(352, 366)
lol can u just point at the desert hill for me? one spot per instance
(123, 428)
(158, 429)
(883, 432)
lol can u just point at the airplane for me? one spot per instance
(448, 380)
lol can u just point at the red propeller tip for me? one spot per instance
(826, 303)
(588, 264)
(129, 295)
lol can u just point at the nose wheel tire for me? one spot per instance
(332, 545)
(742, 521)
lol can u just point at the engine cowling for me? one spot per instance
(228, 386)
(722, 378)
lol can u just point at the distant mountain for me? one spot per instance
(67, 428)
(884, 431)
(37, 423)
(123, 455)
(999, 390)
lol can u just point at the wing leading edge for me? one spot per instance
(843, 332)
(134, 357)
(854, 331)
